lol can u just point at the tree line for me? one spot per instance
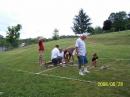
(118, 21)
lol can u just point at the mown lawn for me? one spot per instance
(18, 70)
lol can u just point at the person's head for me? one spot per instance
(57, 46)
(40, 38)
(83, 36)
(60, 50)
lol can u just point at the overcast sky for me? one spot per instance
(41, 17)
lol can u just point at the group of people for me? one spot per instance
(60, 56)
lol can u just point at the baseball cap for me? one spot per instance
(85, 34)
(40, 38)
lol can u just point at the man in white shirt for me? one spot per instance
(55, 53)
(81, 54)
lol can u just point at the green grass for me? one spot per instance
(113, 50)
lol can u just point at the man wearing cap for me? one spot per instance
(81, 54)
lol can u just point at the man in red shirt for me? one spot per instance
(41, 50)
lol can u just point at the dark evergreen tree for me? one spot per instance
(81, 23)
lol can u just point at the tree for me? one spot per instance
(56, 34)
(98, 30)
(1, 40)
(13, 35)
(119, 20)
(107, 25)
(91, 30)
(1, 37)
(112, 17)
(129, 15)
(81, 23)
(128, 22)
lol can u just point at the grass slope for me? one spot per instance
(113, 50)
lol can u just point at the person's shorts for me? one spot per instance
(55, 61)
(82, 60)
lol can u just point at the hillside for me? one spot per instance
(18, 70)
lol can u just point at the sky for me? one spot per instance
(41, 17)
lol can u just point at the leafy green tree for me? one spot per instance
(1, 41)
(128, 22)
(13, 35)
(56, 34)
(98, 30)
(119, 20)
(107, 25)
(91, 30)
(112, 17)
(81, 23)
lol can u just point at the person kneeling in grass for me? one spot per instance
(55, 55)
(61, 56)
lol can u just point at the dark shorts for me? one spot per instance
(82, 60)
(56, 61)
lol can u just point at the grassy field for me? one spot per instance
(19, 68)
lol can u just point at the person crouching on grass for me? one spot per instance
(81, 54)
(61, 56)
(41, 50)
(94, 59)
(55, 55)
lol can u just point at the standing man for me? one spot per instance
(81, 54)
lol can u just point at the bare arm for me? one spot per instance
(77, 51)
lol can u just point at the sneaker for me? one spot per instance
(63, 65)
(81, 73)
(63, 62)
(86, 71)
